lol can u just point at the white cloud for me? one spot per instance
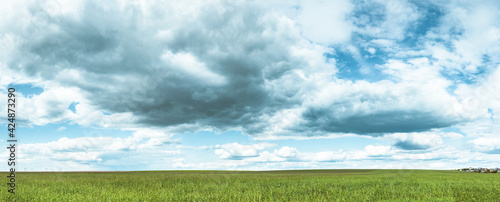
(266, 156)
(324, 156)
(326, 22)
(483, 144)
(286, 152)
(369, 152)
(235, 150)
(51, 106)
(482, 97)
(62, 128)
(377, 150)
(386, 19)
(97, 150)
(471, 35)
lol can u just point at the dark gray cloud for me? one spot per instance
(121, 68)
(420, 141)
(410, 146)
(374, 123)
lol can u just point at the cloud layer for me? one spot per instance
(229, 65)
(405, 72)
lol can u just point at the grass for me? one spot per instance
(297, 185)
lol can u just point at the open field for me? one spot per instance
(300, 185)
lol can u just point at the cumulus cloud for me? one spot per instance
(487, 145)
(326, 21)
(416, 141)
(372, 156)
(473, 34)
(377, 150)
(382, 156)
(386, 19)
(286, 152)
(82, 150)
(238, 151)
(421, 141)
(98, 151)
(371, 108)
(166, 72)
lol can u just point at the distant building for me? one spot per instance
(481, 170)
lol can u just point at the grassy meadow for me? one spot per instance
(299, 185)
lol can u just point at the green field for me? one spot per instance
(307, 185)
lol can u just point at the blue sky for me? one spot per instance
(253, 85)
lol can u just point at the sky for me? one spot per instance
(252, 85)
